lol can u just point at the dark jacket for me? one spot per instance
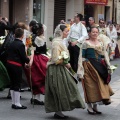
(16, 52)
(4, 27)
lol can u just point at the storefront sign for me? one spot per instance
(97, 2)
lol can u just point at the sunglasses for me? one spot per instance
(102, 23)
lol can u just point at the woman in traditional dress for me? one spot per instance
(112, 34)
(61, 92)
(94, 71)
(38, 66)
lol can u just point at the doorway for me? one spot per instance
(88, 12)
(59, 11)
(107, 13)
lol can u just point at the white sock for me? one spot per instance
(37, 97)
(60, 114)
(90, 107)
(12, 96)
(17, 98)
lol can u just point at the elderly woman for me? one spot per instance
(61, 92)
(94, 71)
(118, 33)
(112, 34)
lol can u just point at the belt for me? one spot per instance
(14, 63)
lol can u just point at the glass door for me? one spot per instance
(38, 10)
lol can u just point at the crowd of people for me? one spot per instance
(77, 49)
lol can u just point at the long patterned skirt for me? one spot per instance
(95, 90)
(38, 73)
(61, 91)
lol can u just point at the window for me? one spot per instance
(38, 10)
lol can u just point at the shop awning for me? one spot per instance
(96, 2)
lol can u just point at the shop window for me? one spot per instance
(38, 10)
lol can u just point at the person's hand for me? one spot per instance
(29, 57)
(27, 66)
(6, 19)
(68, 65)
(74, 43)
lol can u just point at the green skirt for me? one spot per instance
(4, 77)
(61, 91)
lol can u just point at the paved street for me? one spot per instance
(111, 112)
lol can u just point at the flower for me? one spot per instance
(29, 41)
(64, 55)
(29, 45)
(2, 39)
(113, 67)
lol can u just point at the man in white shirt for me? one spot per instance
(77, 35)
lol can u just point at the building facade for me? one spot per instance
(117, 11)
(99, 10)
(50, 12)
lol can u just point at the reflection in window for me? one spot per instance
(38, 10)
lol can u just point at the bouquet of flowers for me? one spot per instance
(65, 56)
(112, 68)
(29, 45)
(2, 39)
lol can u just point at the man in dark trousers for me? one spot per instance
(15, 60)
(77, 35)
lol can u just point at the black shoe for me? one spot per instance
(18, 107)
(107, 103)
(22, 90)
(9, 96)
(13, 106)
(60, 117)
(91, 113)
(36, 102)
(97, 112)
